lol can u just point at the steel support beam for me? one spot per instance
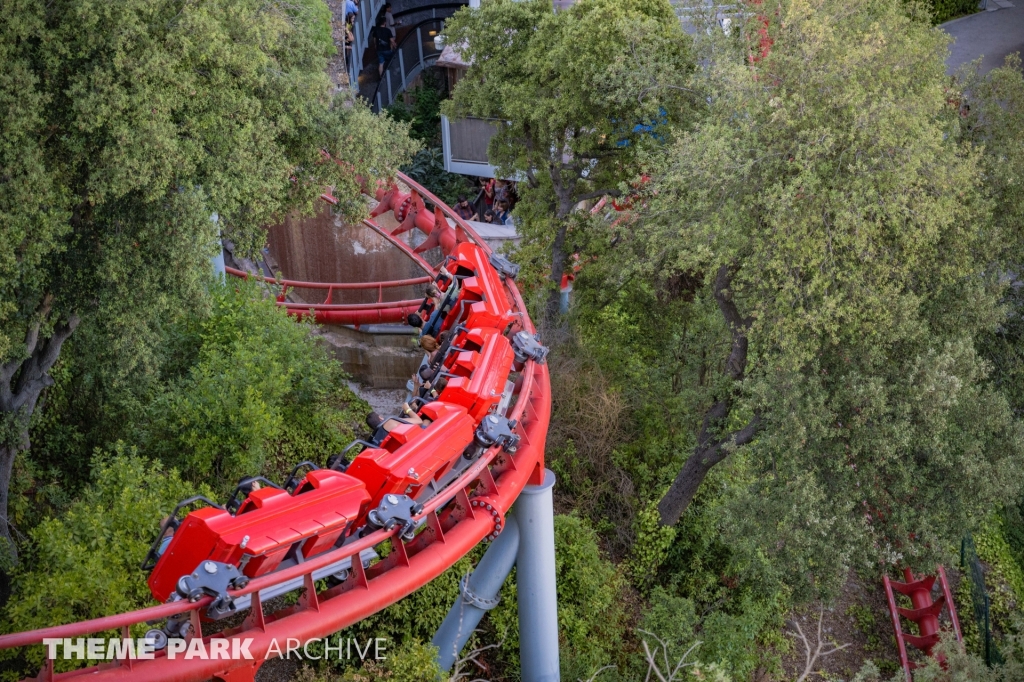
(478, 595)
(535, 582)
(217, 261)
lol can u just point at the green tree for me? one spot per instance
(123, 127)
(829, 213)
(571, 87)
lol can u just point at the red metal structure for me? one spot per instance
(924, 613)
(326, 505)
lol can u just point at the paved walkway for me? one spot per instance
(993, 34)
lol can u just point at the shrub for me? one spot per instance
(425, 111)
(944, 10)
(958, 666)
(592, 617)
(86, 563)
(261, 395)
(588, 415)
(413, 662)
(427, 168)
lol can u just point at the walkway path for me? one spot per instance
(993, 34)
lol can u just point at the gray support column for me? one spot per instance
(535, 582)
(478, 595)
(217, 261)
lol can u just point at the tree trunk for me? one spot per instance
(712, 448)
(21, 383)
(562, 210)
(7, 453)
(696, 468)
(553, 308)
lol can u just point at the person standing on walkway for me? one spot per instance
(500, 191)
(464, 210)
(389, 20)
(350, 38)
(488, 190)
(385, 44)
(502, 216)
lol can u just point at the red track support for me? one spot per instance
(452, 527)
(925, 613)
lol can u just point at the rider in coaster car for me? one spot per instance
(381, 427)
(165, 539)
(429, 390)
(438, 305)
(411, 416)
(444, 278)
(430, 303)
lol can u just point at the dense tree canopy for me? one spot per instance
(123, 127)
(570, 114)
(827, 212)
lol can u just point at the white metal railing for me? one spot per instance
(368, 10)
(415, 52)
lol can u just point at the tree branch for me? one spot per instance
(812, 653)
(736, 364)
(670, 673)
(34, 376)
(713, 453)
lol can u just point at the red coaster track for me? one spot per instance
(455, 520)
(924, 614)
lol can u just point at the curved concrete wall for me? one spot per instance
(323, 248)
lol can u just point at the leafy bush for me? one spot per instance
(591, 612)
(957, 665)
(673, 620)
(86, 563)
(425, 111)
(726, 639)
(427, 168)
(944, 10)
(412, 662)
(1004, 578)
(588, 423)
(261, 395)
(424, 117)
(314, 16)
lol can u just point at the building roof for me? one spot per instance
(451, 58)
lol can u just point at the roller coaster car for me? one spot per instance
(480, 375)
(272, 529)
(412, 456)
(482, 301)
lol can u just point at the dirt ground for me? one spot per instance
(860, 619)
